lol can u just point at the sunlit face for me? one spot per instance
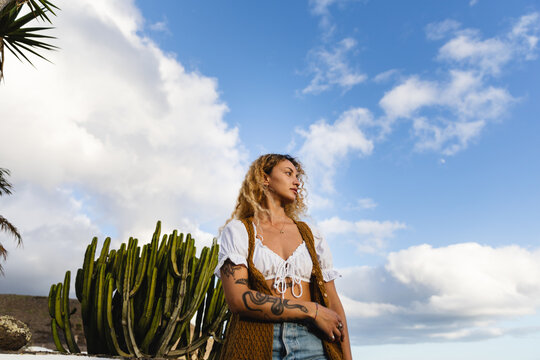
(283, 182)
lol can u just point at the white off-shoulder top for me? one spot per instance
(234, 245)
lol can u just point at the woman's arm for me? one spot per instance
(335, 304)
(260, 306)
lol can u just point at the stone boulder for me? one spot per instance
(14, 334)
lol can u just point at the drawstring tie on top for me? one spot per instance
(284, 271)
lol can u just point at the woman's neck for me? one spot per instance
(276, 213)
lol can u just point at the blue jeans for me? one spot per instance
(294, 341)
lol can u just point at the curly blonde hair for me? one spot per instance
(253, 193)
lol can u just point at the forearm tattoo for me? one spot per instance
(288, 305)
(278, 305)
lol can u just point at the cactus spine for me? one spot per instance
(138, 302)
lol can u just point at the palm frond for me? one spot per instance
(5, 186)
(19, 38)
(3, 254)
(26, 43)
(8, 227)
(5, 225)
(41, 7)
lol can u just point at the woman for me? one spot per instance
(277, 276)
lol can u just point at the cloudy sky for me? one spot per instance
(417, 123)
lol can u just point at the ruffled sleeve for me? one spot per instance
(233, 245)
(324, 256)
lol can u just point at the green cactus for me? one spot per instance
(139, 301)
(60, 315)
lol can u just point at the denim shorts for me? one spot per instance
(294, 341)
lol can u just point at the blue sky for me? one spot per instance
(261, 54)
(417, 123)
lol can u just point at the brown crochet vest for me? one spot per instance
(249, 339)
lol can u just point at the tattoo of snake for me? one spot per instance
(278, 305)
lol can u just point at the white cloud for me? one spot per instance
(407, 97)
(449, 138)
(55, 233)
(385, 76)
(463, 105)
(122, 127)
(449, 113)
(160, 26)
(462, 292)
(468, 279)
(369, 236)
(464, 94)
(366, 309)
(329, 64)
(320, 8)
(489, 54)
(526, 32)
(473, 2)
(366, 203)
(439, 30)
(318, 202)
(327, 145)
(331, 68)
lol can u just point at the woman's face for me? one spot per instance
(283, 181)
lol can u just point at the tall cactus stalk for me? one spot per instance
(60, 314)
(138, 302)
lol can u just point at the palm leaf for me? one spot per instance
(5, 186)
(3, 254)
(8, 227)
(41, 7)
(5, 225)
(20, 39)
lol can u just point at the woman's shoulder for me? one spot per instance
(234, 225)
(233, 237)
(235, 228)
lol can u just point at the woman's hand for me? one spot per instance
(329, 322)
(335, 304)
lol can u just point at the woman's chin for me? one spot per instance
(287, 200)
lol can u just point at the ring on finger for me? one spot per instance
(340, 326)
